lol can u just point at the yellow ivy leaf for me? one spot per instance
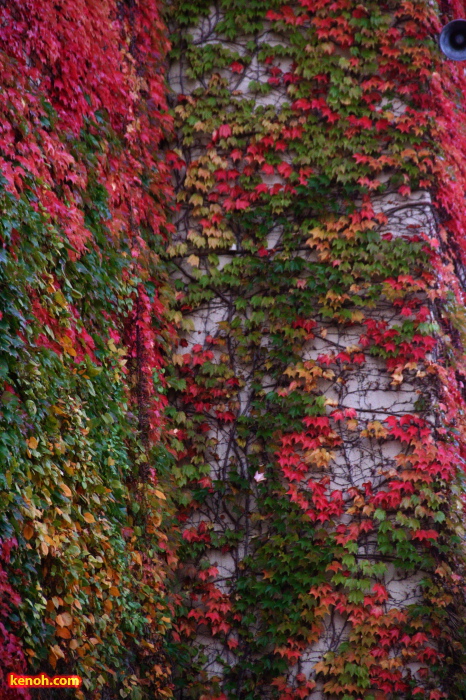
(193, 260)
(375, 429)
(330, 402)
(59, 411)
(32, 443)
(320, 667)
(320, 457)
(57, 652)
(196, 199)
(156, 520)
(67, 345)
(89, 518)
(60, 299)
(64, 619)
(187, 324)
(113, 590)
(66, 490)
(160, 494)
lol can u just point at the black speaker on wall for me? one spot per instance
(452, 40)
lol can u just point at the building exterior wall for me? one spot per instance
(318, 388)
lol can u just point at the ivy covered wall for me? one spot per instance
(232, 424)
(318, 396)
(83, 334)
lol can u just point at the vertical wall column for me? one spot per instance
(317, 390)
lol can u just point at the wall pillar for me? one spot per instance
(317, 391)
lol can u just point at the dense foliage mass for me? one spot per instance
(318, 260)
(83, 334)
(319, 256)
